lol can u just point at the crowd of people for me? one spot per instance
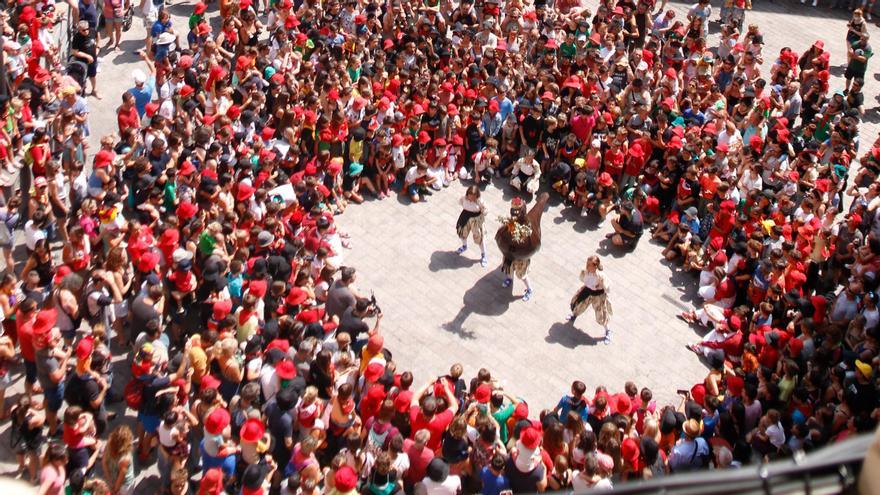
(190, 268)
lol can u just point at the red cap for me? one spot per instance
(84, 348)
(521, 411)
(221, 309)
(257, 288)
(104, 157)
(212, 482)
(345, 479)
(217, 421)
(630, 451)
(245, 191)
(296, 296)
(530, 438)
(286, 370)
(252, 430)
(187, 168)
(483, 393)
(373, 372)
(186, 210)
(424, 138)
(200, 8)
(375, 343)
(209, 383)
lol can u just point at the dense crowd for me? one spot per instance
(199, 247)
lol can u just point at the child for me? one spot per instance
(235, 281)
(486, 163)
(184, 287)
(173, 438)
(308, 411)
(470, 221)
(525, 174)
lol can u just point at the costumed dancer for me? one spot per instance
(594, 293)
(470, 222)
(519, 238)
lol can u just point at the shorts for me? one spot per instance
(413, 189)
(93, 69)
(149, 421)
(54, 397)
(30, 371)
(854, 74)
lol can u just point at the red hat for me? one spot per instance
(424, 138)
(186, 168)
(547, 95)
(233, 112)
(531, 438)
(212, 482)
(668, 102)
(493, 106)
(217, 421)
(335, 168)
(397, 140)
(674, 143)
(257, 288)
(151, 108)
(624, 405)
(617, 10)
(221, 309)
(104, 157)
(200, 8)
(418, 109)
(286, 370)
(45, 320)
(209, 382)
(373, 372)
(806, 231)
(345, 479)
(376, 393)
(62, 272)
(735, 385)
(267, 133)
(722, 148)
(457, 140)
(245, 191)
(388, 44)
(252, 430)
(483, 393)
(551, 44)
(148, 261)
(84, 348)
(451, 109)
(186, 210)
(521, 411)
(296, 296)
(819, 44)
(629, 449)
(501, 45)
(440, 142)
(41, 75)
(403, 401)
(795, 346)
(201, 30)
(605, 179)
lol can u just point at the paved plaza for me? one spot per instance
(442, 308)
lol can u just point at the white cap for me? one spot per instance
(181, 254)
(138, 76)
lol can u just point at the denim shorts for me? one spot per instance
(150, 422)
(30, 371)
(54, 397)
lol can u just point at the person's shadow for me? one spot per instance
(450, 260)
(486, 298)
(567, 335)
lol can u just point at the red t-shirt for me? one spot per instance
(25, 332)
(127, 119)
(418, 460)
(436, 425)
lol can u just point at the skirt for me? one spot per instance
(520, 268)
(470, 223)
(599, 301)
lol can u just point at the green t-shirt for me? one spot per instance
(501, 416)
(568, 50)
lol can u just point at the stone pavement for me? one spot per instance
(441, 307)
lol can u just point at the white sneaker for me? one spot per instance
(868, 16)
(814, 2)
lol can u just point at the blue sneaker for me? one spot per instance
(527, 295)
(507, 282)
(484, 261)
(462, 249)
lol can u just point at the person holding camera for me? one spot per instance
(353, 322)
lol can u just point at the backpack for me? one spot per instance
(134, 394)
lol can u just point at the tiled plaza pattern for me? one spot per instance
(441, 308)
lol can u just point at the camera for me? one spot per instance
(373, 309)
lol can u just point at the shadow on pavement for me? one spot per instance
(450, 260)
(487, 298)
(567, 335)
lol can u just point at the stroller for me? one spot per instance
(78, 71)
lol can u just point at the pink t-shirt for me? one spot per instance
(54, 478)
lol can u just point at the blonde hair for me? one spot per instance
(120, 442)
(310, 394)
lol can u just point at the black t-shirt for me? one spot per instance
(352, 325)
(151, 405)
(84, 43)
(82, 390)
(320, 379)
(521, 482)
(158, 163)
(280, 426)
(141, 313)
(531, 128)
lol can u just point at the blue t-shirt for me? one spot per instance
(143, 95)
(569, 403)
(492, 484)
(160, 27)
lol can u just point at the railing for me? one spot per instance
(830, 470)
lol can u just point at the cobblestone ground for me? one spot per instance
(441, 307)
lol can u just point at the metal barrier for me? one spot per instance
(830, 470)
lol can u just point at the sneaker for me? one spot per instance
(462, 249)
(814, 2)
(867, 15)
(607, 340)
(507, 282)
(527, 295)
(484, 261)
